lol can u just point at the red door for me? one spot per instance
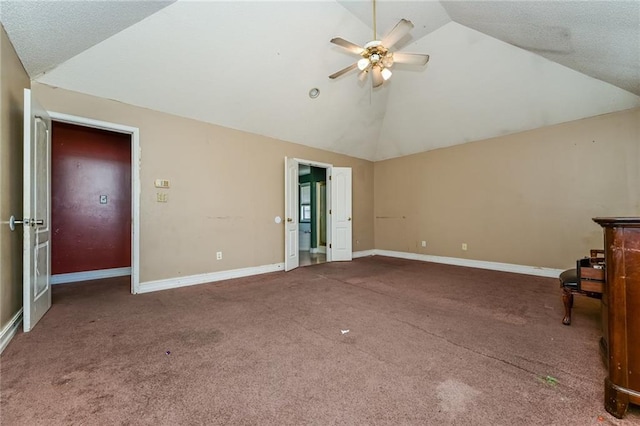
(90, 199)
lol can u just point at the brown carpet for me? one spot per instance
(427, 344)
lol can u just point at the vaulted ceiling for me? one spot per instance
(496, 67)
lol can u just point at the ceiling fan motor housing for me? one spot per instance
(377, 54)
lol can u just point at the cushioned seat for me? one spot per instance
(585, 279)
(569, 278)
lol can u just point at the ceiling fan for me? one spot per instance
(377, 57)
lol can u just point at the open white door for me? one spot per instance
(291, 258)
(36, 212)
(341, 224)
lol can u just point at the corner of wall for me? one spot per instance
(13, 81)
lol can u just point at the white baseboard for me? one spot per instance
(9, 330)
(74, 277)
(495, 266)
(363, 253)
(169, 283)
(210, 277)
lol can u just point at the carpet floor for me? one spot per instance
(373, 341)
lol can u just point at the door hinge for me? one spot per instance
(329, 245)
(329, 177)
(329, 211)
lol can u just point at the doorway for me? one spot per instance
(337, 222)
(312, 231)
(132, 136)
(90, 203)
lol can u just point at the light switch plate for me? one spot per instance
(162, 183)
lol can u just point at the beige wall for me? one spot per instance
(525, 199)
(13, 79)
(227, 187)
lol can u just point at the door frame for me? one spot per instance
(327, 168)
(318, 192)
(134, 132)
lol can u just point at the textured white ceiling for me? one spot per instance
(250, 65)
(480, 87)
(598, 38)
(46, 33)
(426, 16)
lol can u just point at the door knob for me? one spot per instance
(289, 219)
(349, 219)
(28, 222)
(13, 222)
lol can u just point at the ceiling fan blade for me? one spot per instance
(377, 79)
(401, 29)
(351, 47)
(343, 71)
(410, 58)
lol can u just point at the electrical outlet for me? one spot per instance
(464, 246)
(424, 244)
(161, 197)
(219, 255)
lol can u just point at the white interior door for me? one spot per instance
(341, 223)
(291, 258)
(36, 212)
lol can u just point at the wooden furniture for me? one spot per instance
(621, 312)
(586, 279)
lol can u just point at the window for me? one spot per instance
(305, 202)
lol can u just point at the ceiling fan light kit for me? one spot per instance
(363, 64)
(377, 57)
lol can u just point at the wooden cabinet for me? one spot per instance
(621, 312)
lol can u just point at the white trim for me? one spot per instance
(494, 266)
(313, 163)
(363, 253)
(210, 277)
(135, 181)
(328, 168)
(90, 122)
(10, 330)
(73, 277)
(169, 283)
